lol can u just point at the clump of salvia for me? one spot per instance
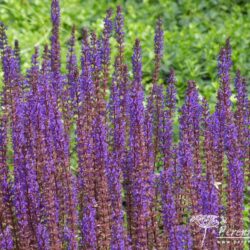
(135, 185)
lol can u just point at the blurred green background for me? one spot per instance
(194, 32)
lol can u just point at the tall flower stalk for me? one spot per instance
(90, 160)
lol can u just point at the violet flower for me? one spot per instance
(6, 241)
(85, 150)
(55, 44)
(140, 178)
(70, 88)
(159, 43)
(169, 212)
(115, 172)
(17, 54)
(105, 55)
(241, 114)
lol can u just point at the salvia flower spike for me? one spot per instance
(90, 160)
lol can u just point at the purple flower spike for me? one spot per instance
(140, 171)
(224, 66)
(230, 138)
(119, 29)
(105, 55)
(88, 226)
(169, 212)
(183, 238)
(55, 12)
(101, 162)
(72, 79)
(7, 222)
(167, 130)
(171, 93)
(241, 114)
(43, 237)
(17, 54)
(55, 45)
(190, 124)
(156, 99)
(117, 158)
(189, 150)
(159, 42)
(85, 150)
(6, 241)
(3, 38)
(33, 72)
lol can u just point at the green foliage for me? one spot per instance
(194, 32)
